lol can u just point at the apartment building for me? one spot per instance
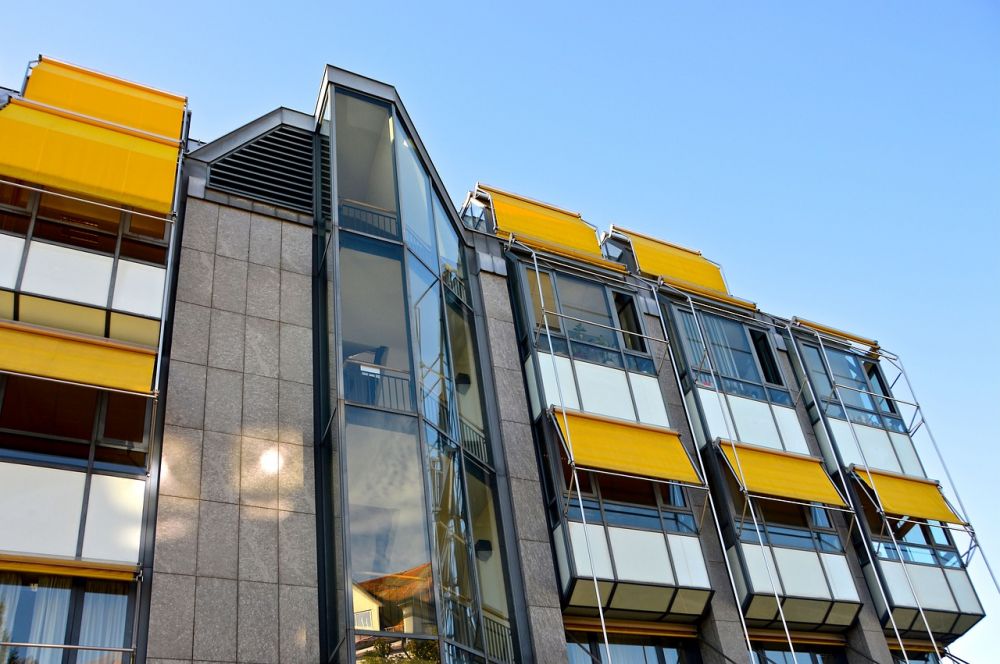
(272, 398)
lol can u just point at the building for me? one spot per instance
(272, 398)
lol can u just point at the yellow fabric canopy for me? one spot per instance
(780, 474)
(547, 228)
(35, 351)
(629, 448)
(834, 332)
(96, 95)
(63, 567)
(681, 267)
(909, 496)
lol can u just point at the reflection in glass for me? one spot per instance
(371, 649)
(531, 283)
(731, 351)
(452, 545)
(390, 552)
(433, 372)
(628, 318)
(453, 272)
(373, 314)
(415, 200)
(105, 609)
(585, 300)
(472, 426)
(489, 557)
(366, 189)
(33, 610)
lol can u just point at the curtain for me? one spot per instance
(48, 622)
(105, 609)
(721, 352)
(10, 592)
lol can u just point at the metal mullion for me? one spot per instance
(28, 236)
(85, 508)
(470, 552)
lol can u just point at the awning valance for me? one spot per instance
(909, 496)
(629, 448)
(765, 472)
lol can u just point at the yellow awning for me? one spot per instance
(54, 150)
(834, 332)
(78, 90)
(766, 472)
(603, 443)
(61, 567)
(680, 267)
(547, 228)
(909, 496)
(36, 351)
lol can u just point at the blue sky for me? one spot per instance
(841, 160)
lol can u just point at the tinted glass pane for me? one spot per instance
(694, 349)
(14, 223)
(373, 324)
(415, 200)
(847, 372)
(489, 558)
(817, 372)
(85, 238)
(585, 301)
(731, 351)
(35, 610)
(14, 196)
(628, 321)
(878, 386)
(453, 271)
(366, 189)
(472, 426)
(453, 543)
(140, 224)
(78, 212)
(765, 356)
(532, 280)
(49, 408)
(433, 370)
(105, 612)
(390, 552)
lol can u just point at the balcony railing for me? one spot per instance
(365, 219)
(58, 652)
(499, 643)
(377, 386)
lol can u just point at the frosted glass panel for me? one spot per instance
(755, 562)
(641, 555)
(67, 274)
(139, 288)
(689, 562)
(649, 399)
(598, 549)
(958, 579)
(801, 573)
(907, 454)
(791, 430)
(839, 576)
(10, 259)
(895, 579)
(604, 391)
(754, 422)
(43, 509)
(877, 448)
(565, 383)
(719, 423)
(114, 519)
(932, 587)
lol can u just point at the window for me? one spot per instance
(628, 318)
(784, 524)
(772, 655)
(917, 540)
(589, 648)
(39, 609)
(741, 356)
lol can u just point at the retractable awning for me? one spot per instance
(680, 267)
(909, 496)
(629, 448)
(765, 472)
(547, 228)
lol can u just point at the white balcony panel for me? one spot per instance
(604, 391)
(139, 288)
(641, 555)
(10, 259)
(598, 550)
(530, 379)
(896, 584)
(689, 562)
(649, 399)
(720, 424)
(962, 588)
(755, 558)
(564, 371)
(877, 448)
(907, 454)
(801, 573)
(932, 587)
(839, 575)
(67, 274)
(41, 509)
(114, 519)
(844, 440)
(791, 430)
(754, 422)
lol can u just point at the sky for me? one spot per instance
(840, 160)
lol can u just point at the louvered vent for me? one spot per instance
(324, 174)
(276, 167)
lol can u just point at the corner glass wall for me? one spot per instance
(419, 568)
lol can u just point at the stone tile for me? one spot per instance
(496, 297)
(201, 221)
(547, 634)
(258, 544)
(295, 358)
(511, 395)
(263, 296)
(185, 398)
(519, 450)
(234, 233)
(194, 276)
(218, 540)
(528, 510)
(215, 620)
(257, 633)
(220, 467)
(295, 413)
(265, 241)
(296, 479)
(225, 346)
(503, 345)
(260, 407)
(297, 549)
(180, 469)
(259, 464)
(176, 535)
(261, 348)
(223, 401)
(299, 628)
(171, 625)
(229, 285)
(540, 585)
(296, 248)
(190, 339)
(296, 299)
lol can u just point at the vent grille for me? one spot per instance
(324, 172)
(276, 168)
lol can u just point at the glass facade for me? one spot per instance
(418, 552)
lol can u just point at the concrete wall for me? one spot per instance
(235, 560)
